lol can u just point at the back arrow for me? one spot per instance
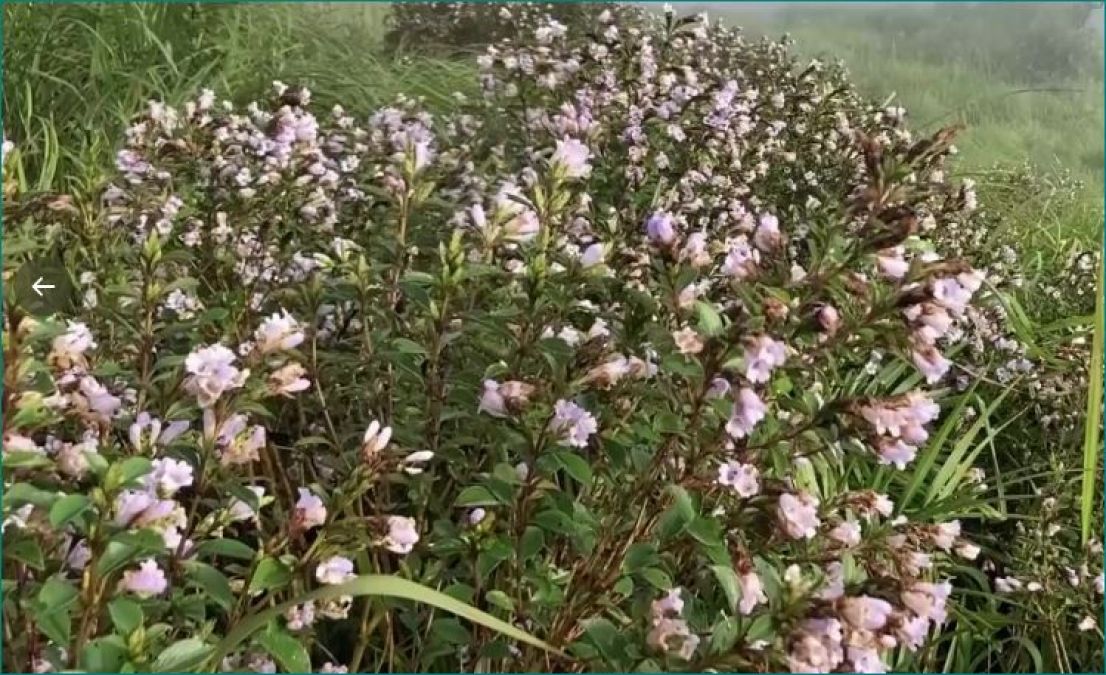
(38, 286)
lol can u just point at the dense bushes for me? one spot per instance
(645, 354)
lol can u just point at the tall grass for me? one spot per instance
(74, 75)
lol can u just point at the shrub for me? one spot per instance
(591, 355)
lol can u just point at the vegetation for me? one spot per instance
(627, 342)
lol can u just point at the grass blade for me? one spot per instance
(1091, 436)
(376, 585)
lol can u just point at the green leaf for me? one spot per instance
(451, 631)
(727, 579)
(476, 495)
(67, 508)
(25, 460)
(121, 474)
(52, 606)
(21, 494)
(760, 629)
(710, 321)
(533, 539)
(374, 585)
(724, 635)
(270, 573)
(126, 615)
(26, 551)
(229, 548)
(575, 466)
(210, 580)
(500, 599)
(1092, 425)
(185, 656)
(104, 655)
(406, 346)
(287, 650)
(125, 547)
(657, 578)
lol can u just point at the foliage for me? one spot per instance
(669, 352)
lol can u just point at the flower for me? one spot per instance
(798, 515)
(68, 348)
(279, 332)
(300, 617)
(309, 511)
(574, 423)
(147, 581)
(741, 259)
(748, 411)
(239, 510)
(212, 373)
(829, 319)
(571, 157)
(847, 533)
(762, 356)
(816, 647)
(660, 228)
(865, 612)
(1088, 624)
(911, 631)
(403, 534)
(593, 255)
(375, 439)
(491, 401)
(928, 599)
(168, 476)
(752, 593)
(767, 237)
(743, 478)
(334, 570)
(288, 380)
(894, 451)
(688, 341)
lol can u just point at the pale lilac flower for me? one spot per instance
(168, 476)
(287, 380)
(719, 387)
(798, 515)
(847, 533)
(816, 648)
(335, 570)
(932, 364)
(329, 667)
(695, 250)
(592, 255)
(744, 479)
(491, 401)
(834, 582)
(99, 400)
(688, 341)
(928, 600)
(829, 319)
(147, 581)
(894, 451)
(572, 157)
(944, 535)
(911, 631)
(660, 228)
(967, 550)
(865, 612)
(1088, 624)
(891, 263)
(279, 332)
(752, 593)
(71, 459)
(300, 617)
(574, 423)
(212, 373)
(403, 534)
(1099, 585)
(865, 660)
(741, 259)
(310, 511)
(762, 356)
(68, 348)
(1007, 584)
(14, 442)
(476, 516)
(767, 236)
(748, 411)
(78, 556)
(950, 294)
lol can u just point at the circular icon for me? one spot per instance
(42, 287)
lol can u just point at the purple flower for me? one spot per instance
(894, 451)
(762, 356)
(816, 647)
(741, 259)
(572, 156)
(309, 511)
(930, 362)
(743, 478)
(574, 423)
(660, 228)
(168, 476)
(798, 515)
(928, 600)
(752, 593)
(335, 570)
(748, 411)
(767, 236)
(865, 612)
(403, 534)
(147, 581)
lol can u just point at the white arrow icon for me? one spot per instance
(38, 286)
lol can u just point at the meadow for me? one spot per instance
(628, 342)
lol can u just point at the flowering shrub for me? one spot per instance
(590, 355)
(469, 24)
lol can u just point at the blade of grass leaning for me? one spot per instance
(942, 482)
(1091, 436)
(377, 585)
(928, 457)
